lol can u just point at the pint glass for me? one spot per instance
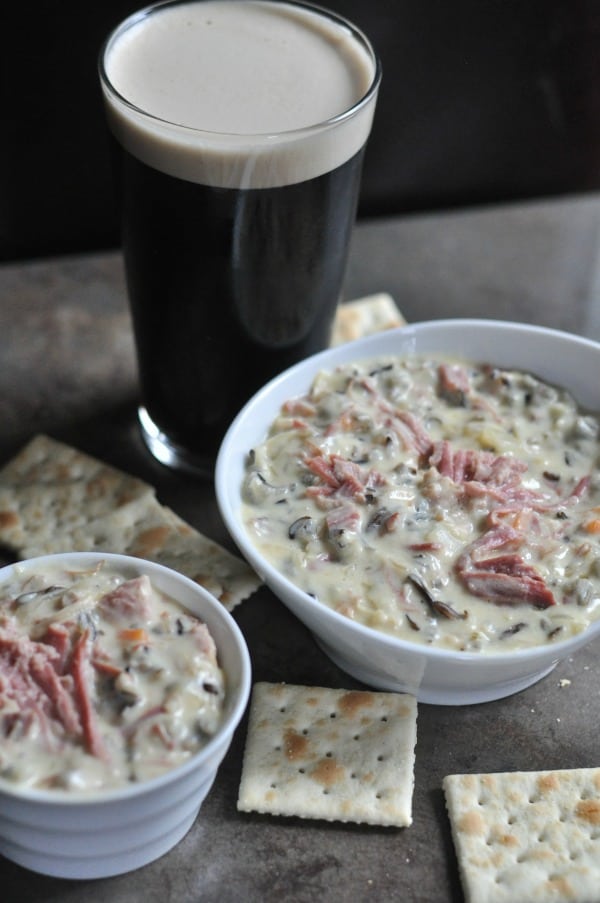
(239, 128)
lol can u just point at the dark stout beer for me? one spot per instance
(236, 223)
(228, 287)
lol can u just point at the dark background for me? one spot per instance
(482, 101)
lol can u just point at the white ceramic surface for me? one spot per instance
(433, 675)
(94, 835)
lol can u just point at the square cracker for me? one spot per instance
(338, 755)
(365, 316)
(49, 488)
(146, 529)
(167, 539)
(55, 498)
(527, 837)
(47, 461)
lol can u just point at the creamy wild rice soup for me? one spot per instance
(439, 500)
(104, 680)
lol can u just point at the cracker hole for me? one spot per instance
(542, 837)
(273, 786)
(333, 715)
(356, 737)
(511, 819)
(282, 709)
(353, 775)
(329, 754)
(384, 717)
(326, 792)
(380, 758)
(305, 731)
(301, 770)
(533, 798)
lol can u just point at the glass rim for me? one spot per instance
(340, 118)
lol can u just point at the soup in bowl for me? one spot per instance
(426, 501)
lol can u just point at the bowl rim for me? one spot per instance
(226, 466)
(239, 693)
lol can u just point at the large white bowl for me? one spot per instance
(433, 675)
(93, 835)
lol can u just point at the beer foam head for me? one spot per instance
(239, 93)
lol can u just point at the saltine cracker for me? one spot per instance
(54, 498)
(527, 837)
(338, 755)
(365, 316)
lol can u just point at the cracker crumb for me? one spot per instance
(564, 682)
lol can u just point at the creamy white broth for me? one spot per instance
(442, 501)
(104, 680)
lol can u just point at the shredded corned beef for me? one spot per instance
(128, 602)
(342, 518)
(453, 383)
(46, 687)
(82, 676)
(471, 465)
(407, 427)
(30, 676)
(342, 477)
(505, 579)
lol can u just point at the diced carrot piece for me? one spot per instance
(134, 635)
(522, 520)
(592, 526)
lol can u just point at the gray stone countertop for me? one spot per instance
(67, 368)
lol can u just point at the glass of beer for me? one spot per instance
(239, 128)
